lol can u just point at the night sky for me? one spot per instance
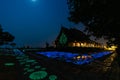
(34, 22)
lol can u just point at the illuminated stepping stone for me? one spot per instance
(26, 69)
(30, 61)
(20, 60)
(37, 67)
(52, 77)
(9, 64)
(34, 63)
(38, 75)
(25, 73)
(22, 63)
(43, 69)
(30, 70)
(27, 65)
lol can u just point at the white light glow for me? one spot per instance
(34, 0)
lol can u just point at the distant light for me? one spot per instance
(78, 57)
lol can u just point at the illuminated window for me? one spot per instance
(73, 44)
(78, 44)
(82, 44)
(78, 57)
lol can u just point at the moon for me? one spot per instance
(34, 0)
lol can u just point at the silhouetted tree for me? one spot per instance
(101, 18)
(5, 37)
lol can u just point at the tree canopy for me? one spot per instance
(101, 17)
(5, 37)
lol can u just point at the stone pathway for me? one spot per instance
(9, 68)
(18, 66)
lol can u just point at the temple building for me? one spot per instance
(74, 38)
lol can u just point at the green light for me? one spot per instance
(63, 39)
(43, 69)
(30, 70)
(30, 61)
(27, 65)
(22, 63)
(34, 63)
(37, 67)
(38, 75)
(9, 64)
(26, 68)
(25, 73)
(52, 77)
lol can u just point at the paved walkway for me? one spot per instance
(9, 68)
(15, 67)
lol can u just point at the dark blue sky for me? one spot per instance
(33, 23)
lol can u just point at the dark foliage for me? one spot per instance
(5, 37)
(101, 17)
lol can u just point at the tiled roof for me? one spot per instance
(73, 34)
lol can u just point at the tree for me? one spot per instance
(101, 18)
(5, 37)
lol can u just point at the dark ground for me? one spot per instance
(99, 70)
(10, 72)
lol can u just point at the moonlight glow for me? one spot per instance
(34, 0)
